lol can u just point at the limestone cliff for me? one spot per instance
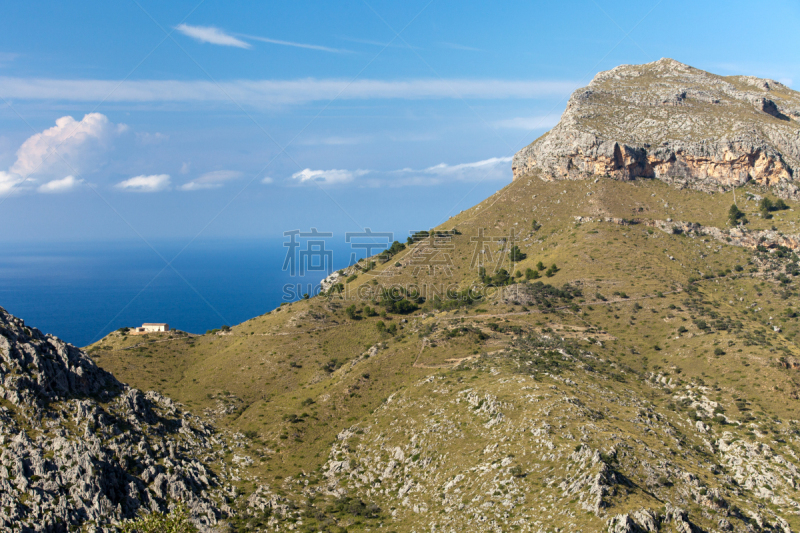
(669, 121)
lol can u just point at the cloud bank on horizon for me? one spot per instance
(71, 145)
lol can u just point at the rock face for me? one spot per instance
(80, 449)
(669, 121)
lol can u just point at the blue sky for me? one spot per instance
(143, 120)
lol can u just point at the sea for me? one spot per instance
(82, 291)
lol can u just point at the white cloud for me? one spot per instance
(146, 138)
(62, 185)
(291, 43)
(529, 123)
(268, 180)
(211, 35)
(185, 167)
(266, 93)
(328, 176)
(68, 146)
(10, 182)
(495, 168)
(211, 180)
(153, 183)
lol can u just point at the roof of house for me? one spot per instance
(154, 324)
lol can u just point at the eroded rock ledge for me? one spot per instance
(738, 236)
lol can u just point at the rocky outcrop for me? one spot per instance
(78, 449)
(672, 122)
(736, 236)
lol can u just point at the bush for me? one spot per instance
(516, 254)
(381, 327)
(396, 248)
(719, 351)
(177, 521)
(735, 215)
(499, 279)
(531, 273)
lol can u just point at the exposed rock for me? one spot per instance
(669, 121)
(81, 449)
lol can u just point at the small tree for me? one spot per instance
(735, 215)
(516, 254)
(381, 327)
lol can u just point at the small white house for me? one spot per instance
(151, 327)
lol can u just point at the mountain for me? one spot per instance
(669, 121)
(80, 449)
(608, 352)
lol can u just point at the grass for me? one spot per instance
(293, 379)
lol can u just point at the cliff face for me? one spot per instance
(669, 121)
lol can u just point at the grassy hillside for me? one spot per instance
(657, 366)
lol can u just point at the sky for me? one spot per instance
(141, 120)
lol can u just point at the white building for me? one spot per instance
(149, 327)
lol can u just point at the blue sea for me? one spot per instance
(82, 291)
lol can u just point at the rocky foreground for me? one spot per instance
(669, 121)
(79, 448)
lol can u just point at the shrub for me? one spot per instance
(719, 351)
(176, 521)
(381, 327)
(735, 215)
(396, 248)
(516, 254)
(535, 226)
(531, 273)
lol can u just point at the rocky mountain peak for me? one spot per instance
(36, 367)
(676, 123)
